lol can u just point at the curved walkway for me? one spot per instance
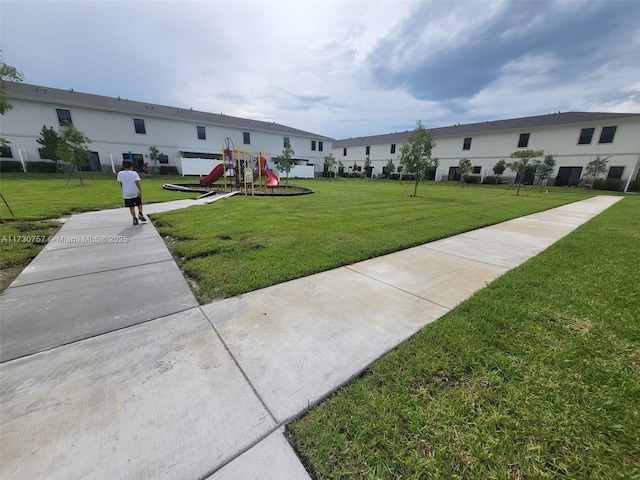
(111, 369)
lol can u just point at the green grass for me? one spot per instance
(244, 243)
(535, 376)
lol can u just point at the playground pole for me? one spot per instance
(260, 170)
(224, 168)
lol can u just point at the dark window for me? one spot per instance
(344, 152)
(586, 134)
(162, 158)
(137, 160)
(615, 173)
(320, 146)
(5, 152)
(313, 144)
(138, 124)
(476, 169)
(606, 136)
(286, 142)
(64, 117)
(524, 140)
(466, 145)
(393, 148)
(246, 138)
(202, 133)
(367, 150)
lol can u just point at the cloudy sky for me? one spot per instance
(336, 67)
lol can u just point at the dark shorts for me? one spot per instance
(132, 202)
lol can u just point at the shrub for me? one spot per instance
(10, 166)
(168, 170)
(609, 184)
(471, 179)
(635, 186)
(41, 167)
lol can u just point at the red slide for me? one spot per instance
(215, 174)
(272, 179)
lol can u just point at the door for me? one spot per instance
(569, 176)
(453, 174)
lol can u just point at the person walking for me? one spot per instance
(131, 190)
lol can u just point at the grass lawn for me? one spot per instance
(244, 243)
(536, 376)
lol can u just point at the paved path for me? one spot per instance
(111, 369)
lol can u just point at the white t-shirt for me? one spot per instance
(128, 180)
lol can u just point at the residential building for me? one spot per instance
(120, 128)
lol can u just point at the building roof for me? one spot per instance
(522, 123)
(71, 98)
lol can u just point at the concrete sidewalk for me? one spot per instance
(112, 370)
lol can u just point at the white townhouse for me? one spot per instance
(118, 127)
(574, 138)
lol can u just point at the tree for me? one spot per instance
(329, 164)
(49, 139)
(7, 73)
(595, 168)
(73, 148)
(389, 168)
(544, 169)
(415, 153)
(155, 155)
(499, 168)
(524, 158)
(285, 163)
(464, 169)
(367, 167)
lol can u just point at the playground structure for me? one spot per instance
(241, 172)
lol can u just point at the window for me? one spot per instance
(202, 133)
(367, 150)
(466, 145)
(477, 169)
(162, 158)
(344, 152)
(606, 136)
(615, 173)
(393, 148)
(524, 140)
(286, 142)
(320, 146)
(313, 144)
(586, 134)
(5, 152)
(64, 117)
(138, 124)
(246, 138)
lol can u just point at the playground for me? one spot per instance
(239, 171)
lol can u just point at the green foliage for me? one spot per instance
(464, 169)
(524, 159)
(415, 154)
(594, 168)
(167, 170)
(367, 167)
(41, 167)
(389, 168)
(612, 184)
(49, 139)
(285, 162)
(500, 167)
(73, 148)
(10, 166)
(7, 72)
(329, 164)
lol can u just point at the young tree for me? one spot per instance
(285, 163)
(595, 168)
(545, 168)
(7, 73)
(155, 155)
(329, 164)
(390, 168)
(524, 159)
(367, 167)
(499, 168)
(464, 169)
(73, 148)
(49, 139)
(415, 153)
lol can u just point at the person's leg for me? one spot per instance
(132, 209)
(140, 215)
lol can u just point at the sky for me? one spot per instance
(336, 68)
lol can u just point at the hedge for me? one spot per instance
(10, 166)
(41, 167)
